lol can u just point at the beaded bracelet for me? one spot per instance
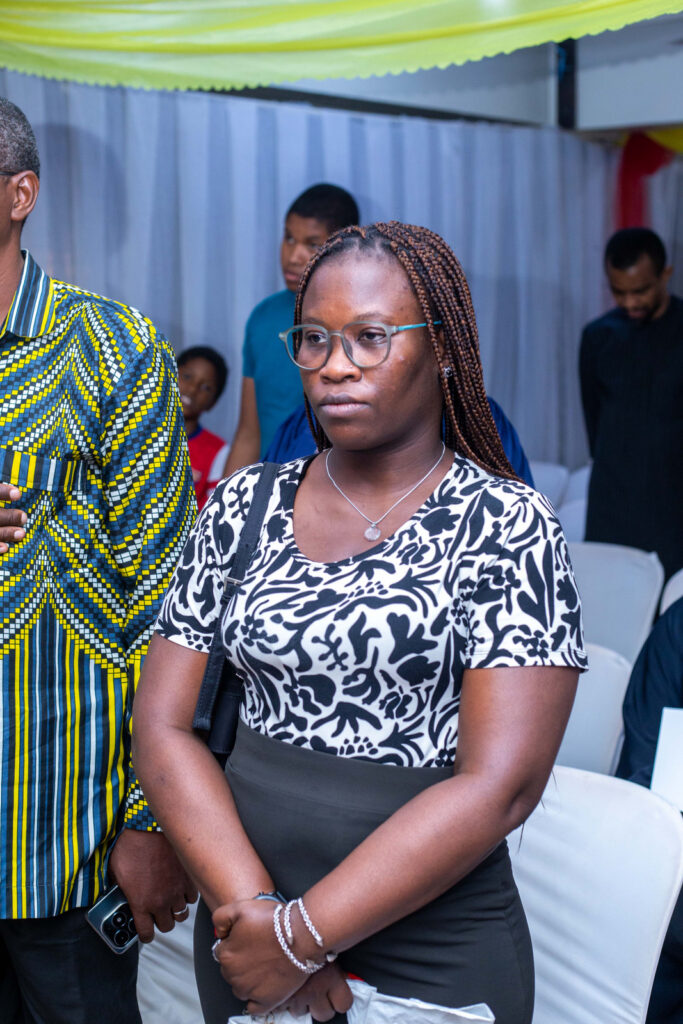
(310, 967)
(286, 920)
(329, 957)
(309, 924)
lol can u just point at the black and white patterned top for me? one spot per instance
(364, 657)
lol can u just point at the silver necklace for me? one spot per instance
(373, 531)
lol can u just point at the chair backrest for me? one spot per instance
(619, 589)
(572, 516)
(551, 479)
(594, 733)
(599, 865)
(672, 591)
(577, 486)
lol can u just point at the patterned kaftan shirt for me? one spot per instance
(92, 433)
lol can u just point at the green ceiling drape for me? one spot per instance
(184, 44)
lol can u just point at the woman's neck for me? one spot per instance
(384, 469)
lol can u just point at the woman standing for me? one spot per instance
(409, 634)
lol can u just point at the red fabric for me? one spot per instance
(641, 156)
(204, 447)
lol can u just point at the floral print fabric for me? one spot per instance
(364, 657)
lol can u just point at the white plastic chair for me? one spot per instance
(167, 990)
(619, 589)
(572, 516)
(599, 865)
(551, 479)
(577, 486)
(672, 591)
(595, 730)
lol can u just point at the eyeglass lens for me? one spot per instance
(366, 344)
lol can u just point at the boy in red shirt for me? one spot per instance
(202, 373)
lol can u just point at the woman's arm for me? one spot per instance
(184, 783)
(192, 801)
(510, 727)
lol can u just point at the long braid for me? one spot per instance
(442, 291)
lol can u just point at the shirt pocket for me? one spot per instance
(62, 512)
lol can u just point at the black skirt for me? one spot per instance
(304, 811)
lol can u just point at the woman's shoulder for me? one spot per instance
(233, 495)
(467, 480)
(486, 514)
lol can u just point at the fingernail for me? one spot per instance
(18, 534)
(14, 493)
(24, 517)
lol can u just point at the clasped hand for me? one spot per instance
(258, 971)
(12, 520)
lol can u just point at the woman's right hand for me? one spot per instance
(323, 995)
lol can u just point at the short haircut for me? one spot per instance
(625, 248)
(330, 204)
(18, 148)
(215, 358)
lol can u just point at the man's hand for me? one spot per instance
(153, 880)
(12, 520)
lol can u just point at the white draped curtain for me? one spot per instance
(174, 202)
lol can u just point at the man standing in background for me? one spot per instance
(93, 460)
(631, 369)
(271, 383)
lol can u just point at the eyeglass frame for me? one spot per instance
(389, 328)
(10, 174)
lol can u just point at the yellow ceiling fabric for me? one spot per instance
(672, 138)
(185, 44)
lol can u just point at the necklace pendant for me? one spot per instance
(373, 532)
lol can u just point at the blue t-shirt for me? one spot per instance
(293, 440)
(277, 381)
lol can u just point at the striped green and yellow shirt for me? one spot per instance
(92, 432)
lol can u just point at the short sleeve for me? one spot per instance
(524, 606)
(191, 605)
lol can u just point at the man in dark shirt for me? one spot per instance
(657, 683)
(631, 367)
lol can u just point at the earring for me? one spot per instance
(448, 370)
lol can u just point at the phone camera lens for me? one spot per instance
(121, 937)
(119, 919)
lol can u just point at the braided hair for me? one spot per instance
(442, 291)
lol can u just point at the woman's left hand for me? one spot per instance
(250, 956)
(323, 995)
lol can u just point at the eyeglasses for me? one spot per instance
(9, 174)
(366, 344)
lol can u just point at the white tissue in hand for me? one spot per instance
(371, 1007)
(376, 1008)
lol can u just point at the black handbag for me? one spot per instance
(218, 705)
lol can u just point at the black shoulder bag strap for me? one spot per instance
(218, 703)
